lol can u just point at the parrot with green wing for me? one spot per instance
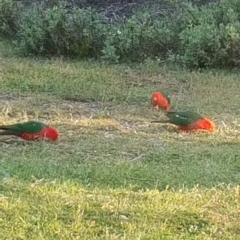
(188, 121)
(30, 130)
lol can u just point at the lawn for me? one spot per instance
(113, 174)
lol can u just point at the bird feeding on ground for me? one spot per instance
(160, 100)
(30, 130)
(188, 121)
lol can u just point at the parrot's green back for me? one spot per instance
(29, 127)
(183, 118)
(166, 95)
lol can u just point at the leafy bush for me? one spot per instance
(140, 37)
(196, 35)
(9, 17)
(231, 30)
(202, 46)
(211, 35)
(56, 31)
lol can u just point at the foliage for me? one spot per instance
(9, 17)
(141, 36)
(211, 35)
(56, 31)
(194, 35)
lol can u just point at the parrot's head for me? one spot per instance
(160, 101)
(51, 133)
(209, 125)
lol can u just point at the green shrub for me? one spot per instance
(129, 38)
(88, 32)
(211, 35)
(55, 31)
(140, 37)
(195, 35)
(202, 46)
(231, 29)
(109, 52)
(9, 17)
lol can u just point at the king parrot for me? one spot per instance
(160, 100)
(30, 130)
(189, 121)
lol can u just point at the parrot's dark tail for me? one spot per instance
(6, 132)
(4, 127)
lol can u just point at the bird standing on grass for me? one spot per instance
(160, 100)
(188, 121)
(30, 130)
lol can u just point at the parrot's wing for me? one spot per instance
(28, 127)
(183, 118)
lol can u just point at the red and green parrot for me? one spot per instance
(160, 100)
(30, 130)
(189, 121)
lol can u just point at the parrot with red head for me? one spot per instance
(160, 100)
(30, 130)
(188, 121)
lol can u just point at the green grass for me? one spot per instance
(112, 174)
(51, 210)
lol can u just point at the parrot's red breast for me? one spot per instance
(47, 132)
